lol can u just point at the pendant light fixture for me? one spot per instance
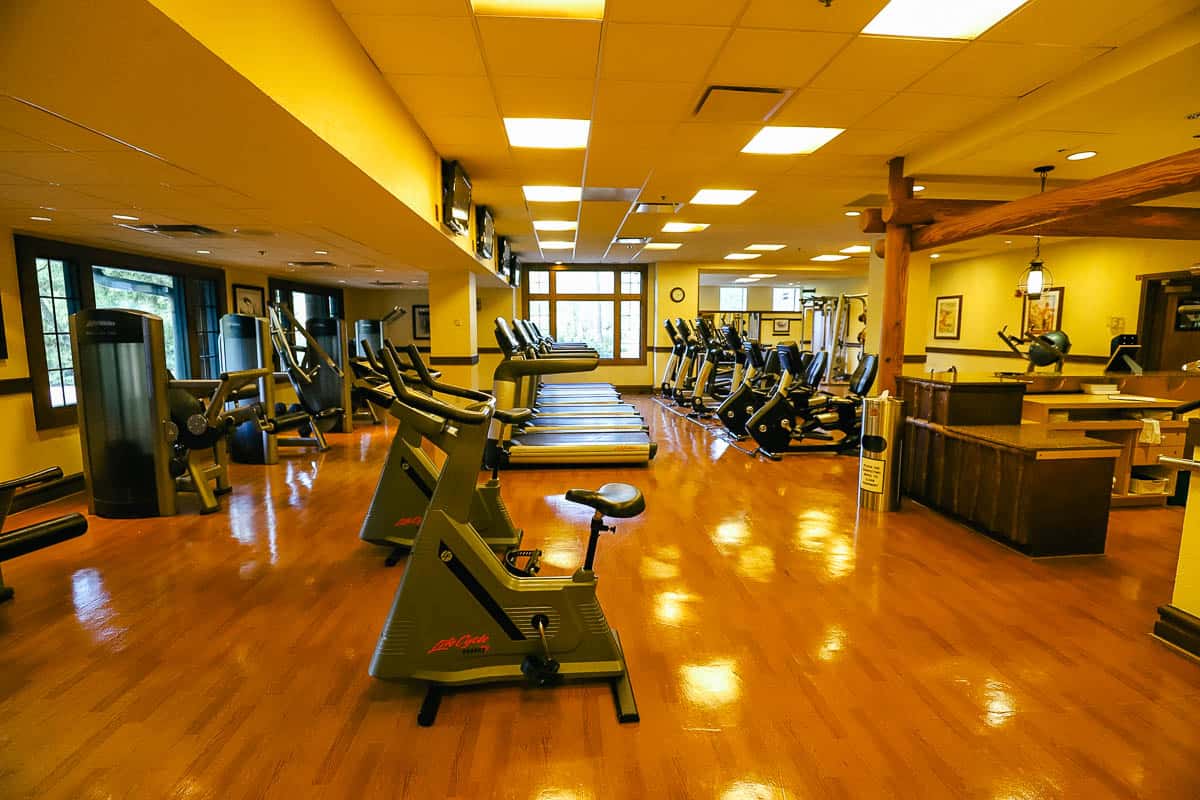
(1036, 278)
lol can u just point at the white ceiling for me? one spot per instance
(639, 74)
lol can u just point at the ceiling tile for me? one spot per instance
(643, 101)
(695, 12)
(883, 64)
(1100, 22)
(419, 45)
(546, 47)
(569, 98)
(775, 58)
(13, 142)
(932, 112)
(425, 8)
(674, 53)
(444, 95)
(537, 167)
(992, 69)
(863, 142)
(840, 17)
(828, 108)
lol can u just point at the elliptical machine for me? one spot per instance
(488, 625)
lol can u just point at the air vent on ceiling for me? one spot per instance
(739, 103)
(310, 264)
(634, 240)
(176, 231)
(612, 194)
(657, 208)
(388, 283)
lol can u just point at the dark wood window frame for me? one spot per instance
(615, 298)
(277, 286)
(80, 259)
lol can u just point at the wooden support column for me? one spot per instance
(895, 283)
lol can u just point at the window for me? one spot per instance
(732, 298)
(603, 306)
(57, 279)
(59, 299)
(786, 299)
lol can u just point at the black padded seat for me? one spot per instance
(612, 500)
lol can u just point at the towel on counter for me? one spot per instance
(1151, 432)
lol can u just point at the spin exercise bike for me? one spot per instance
(489, 625)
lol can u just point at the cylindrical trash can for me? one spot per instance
(879, 459)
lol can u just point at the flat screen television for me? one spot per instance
(514, 270)
(456, 197)
(485, 232)
(503, 254)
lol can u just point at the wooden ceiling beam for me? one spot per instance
(1168, 176)
(1131, 222)
(871, 221)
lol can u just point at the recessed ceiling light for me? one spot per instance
(557, 245)
(321, 252)
(829, 257)
(414, 281)
(631, 239)
(48, 208)
(341, 281)
(1082, 155)
(542, 132)
(722, 197)
(41, 219)
(935, 255)
(742, 256)
(663, 246)
(855, 249)
(1008, 241)
(918, 187)
(552, 194)
(208, 253)
(745, 280)
(853, 213)
(788, 140)
(545, 9)
(379, 269)
(684, 227)
(554, 225)
(762, 274)
(940, 19)
(765, 246)
(125, 217)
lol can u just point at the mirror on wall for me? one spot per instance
(818, 311)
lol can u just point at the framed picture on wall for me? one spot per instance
(250, 300)
(3, 338)
(781, 327)
(421, 322)
(1043, 313)
(947, 317)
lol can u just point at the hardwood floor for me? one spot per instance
(780, 646)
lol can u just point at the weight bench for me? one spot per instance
(33, 537)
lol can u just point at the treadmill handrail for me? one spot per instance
(516, 368)
(477, 414)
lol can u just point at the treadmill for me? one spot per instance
(533, 343)
(508, 446)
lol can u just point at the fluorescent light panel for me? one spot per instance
(554, 225)
(663, 246)
(128, 218)
(918, 187)
(684, 227)
(853, 213)
(786, 140)
(552, 194)
(742, 257)
(771, 247)
(41, 219)
(829, 257)
(545, 133)
(745, 280)
(762, 274)
(557, 244)
(856, 249)
(940, 19)
(722, 197)
(547, 9)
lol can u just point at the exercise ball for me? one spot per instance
(1048, 348)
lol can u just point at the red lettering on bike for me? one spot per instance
(467, 641)
(405, 521)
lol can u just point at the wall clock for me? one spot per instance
(677, 295)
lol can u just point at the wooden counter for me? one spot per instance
(1043, 492)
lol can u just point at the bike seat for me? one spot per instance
(612, 500)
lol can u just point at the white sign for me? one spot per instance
(870, 475)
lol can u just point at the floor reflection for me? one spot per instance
(93, 606)
(672, 609)
(749, 790)
(712, 684)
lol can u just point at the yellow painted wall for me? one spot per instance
(376, 303)
(1099, 277)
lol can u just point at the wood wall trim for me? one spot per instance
(1178, 627)
(973, 351)
(454, 361)
(915, 358)
(490, 351)
(16, 386)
